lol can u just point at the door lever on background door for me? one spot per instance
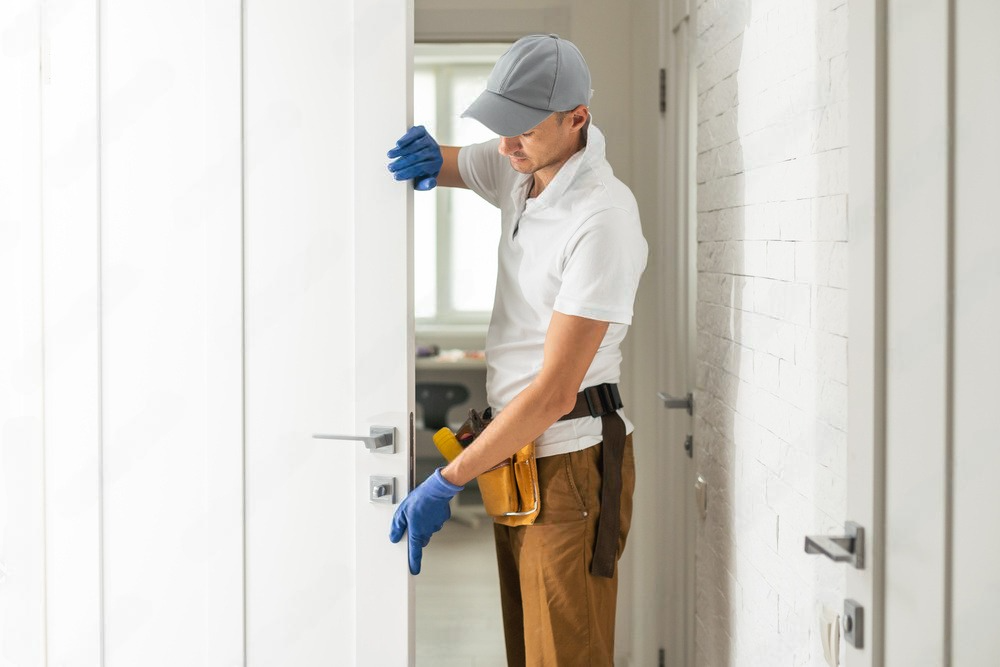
(381, 439)
(849, 548)
(673, 402)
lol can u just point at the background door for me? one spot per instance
(678, 335)
(204, 263)
(924, 358)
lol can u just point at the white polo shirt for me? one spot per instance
(578, 249)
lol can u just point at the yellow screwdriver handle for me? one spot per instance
(447, 444)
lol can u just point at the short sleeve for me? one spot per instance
(482, 168)
(602, 264)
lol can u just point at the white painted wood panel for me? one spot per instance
(126, 269)
(976, 538)
(916, 333)
(384, 378)
(71, 242)
(866, 320)
(22, 437)
(300, 290)
(171, 427)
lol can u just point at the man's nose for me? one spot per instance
(509, 145)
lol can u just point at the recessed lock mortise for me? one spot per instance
(382, 490)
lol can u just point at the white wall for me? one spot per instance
(771, 393)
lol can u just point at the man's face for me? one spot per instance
(548, 144)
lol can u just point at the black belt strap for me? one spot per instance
(604, 401)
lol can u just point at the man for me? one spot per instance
(570, 257)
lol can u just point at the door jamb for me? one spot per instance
(867, 316)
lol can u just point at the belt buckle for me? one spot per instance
(602, 399)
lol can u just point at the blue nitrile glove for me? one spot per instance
(422, 513)
(417, 157)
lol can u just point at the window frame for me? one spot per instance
(444, 61)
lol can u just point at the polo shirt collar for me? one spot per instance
(594, 151)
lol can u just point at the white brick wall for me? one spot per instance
(771, 393)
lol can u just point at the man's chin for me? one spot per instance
(522, 165)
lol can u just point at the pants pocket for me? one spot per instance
(561, 497)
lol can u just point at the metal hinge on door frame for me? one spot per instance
(663, 90)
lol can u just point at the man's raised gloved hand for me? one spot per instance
(421, 514)
(417, 158)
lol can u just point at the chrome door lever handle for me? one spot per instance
(849, 548)
(673, 402)
(381, 439)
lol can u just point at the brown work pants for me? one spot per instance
(556, 613)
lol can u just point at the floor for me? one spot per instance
(458, 599)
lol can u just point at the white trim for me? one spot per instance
(482, 25)
(866, 319)
(458, 53)
(661, 543)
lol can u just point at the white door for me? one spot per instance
(204, 263)
(678, 335)
(923, 358)
(328, 330)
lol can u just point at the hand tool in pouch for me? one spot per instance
(510, 488)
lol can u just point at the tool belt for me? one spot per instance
(604, 401)
(510, 488)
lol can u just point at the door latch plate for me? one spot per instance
(854, 623)
(382, 490)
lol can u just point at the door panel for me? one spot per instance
(72, 314)
(22, 461)
(329, 333)
(977, 319)
(384, 349)
(916, 335)
(184, 274)
(923, 319)
(171, 377)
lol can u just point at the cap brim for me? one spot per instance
(505, 117)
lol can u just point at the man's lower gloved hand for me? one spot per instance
(421, 514)
(417, 158)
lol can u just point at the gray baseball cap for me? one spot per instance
(539, 74)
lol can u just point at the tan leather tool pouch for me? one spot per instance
(510, 488)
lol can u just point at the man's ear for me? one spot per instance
(579, 116)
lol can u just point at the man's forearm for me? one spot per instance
(449, 175)
(528, 416)
(570, 345)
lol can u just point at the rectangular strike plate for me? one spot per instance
(854, 623)
(382, 490)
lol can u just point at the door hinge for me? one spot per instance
(663, 90)
(663, 658)
(689, 446)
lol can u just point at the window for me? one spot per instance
(455, 232)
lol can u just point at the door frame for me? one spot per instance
(659, 564)
(867, 318)
(679, 325)
(900, 483)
